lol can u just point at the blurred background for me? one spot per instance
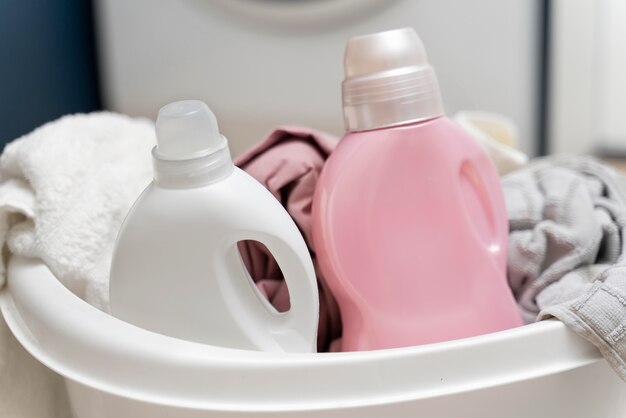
(556, 67)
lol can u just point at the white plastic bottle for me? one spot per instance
(176, 268)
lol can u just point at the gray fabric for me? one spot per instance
(567, 260)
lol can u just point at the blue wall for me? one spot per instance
(47, 63)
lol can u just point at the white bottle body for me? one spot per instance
(177, 271)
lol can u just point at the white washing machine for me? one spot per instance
(261, 63)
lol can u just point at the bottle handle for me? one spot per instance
(481, 173)
(296, 329)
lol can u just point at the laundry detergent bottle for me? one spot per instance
(409, 222)
(176, 269)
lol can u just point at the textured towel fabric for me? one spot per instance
(288, 163)
(65, 189)
(567, 256)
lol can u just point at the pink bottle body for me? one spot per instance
(410, 231)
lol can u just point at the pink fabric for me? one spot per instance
(288, 162)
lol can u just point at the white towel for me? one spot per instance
(65, 188)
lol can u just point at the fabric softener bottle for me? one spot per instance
(409, 222)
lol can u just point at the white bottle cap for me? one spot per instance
(388, 81)
(190, 150)
(187, 129)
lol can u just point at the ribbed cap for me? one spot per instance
(190, 150)
(388, 81)
(187, 129)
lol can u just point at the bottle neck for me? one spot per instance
(194, 172)
(391, 98)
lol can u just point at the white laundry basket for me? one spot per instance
(114, 369)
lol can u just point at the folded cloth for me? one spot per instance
(567, 255)
(498, 135)
(64, 190)
(288, 163)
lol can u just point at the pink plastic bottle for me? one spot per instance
(409, 221)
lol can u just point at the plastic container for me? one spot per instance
(116, 370)
(176, 268)
(408, 219)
